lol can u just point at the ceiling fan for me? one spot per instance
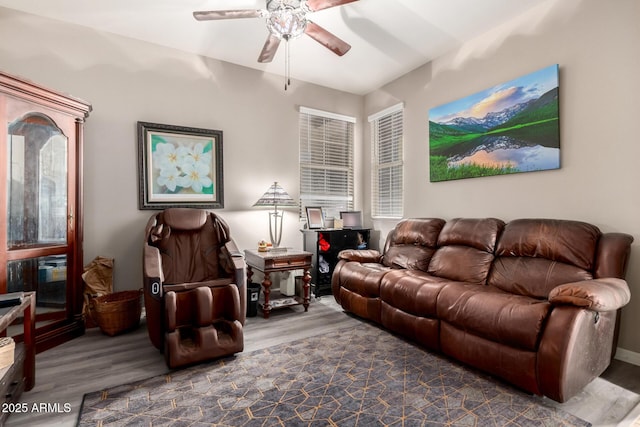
(286, 19)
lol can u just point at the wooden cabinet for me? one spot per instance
(325, 246)
(41, 210)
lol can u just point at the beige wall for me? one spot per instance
(595, 44)
(593, 41)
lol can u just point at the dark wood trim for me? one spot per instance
(62, 333)
(33, 92)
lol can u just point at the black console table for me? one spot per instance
(325, 246)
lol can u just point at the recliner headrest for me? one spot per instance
(185, 218)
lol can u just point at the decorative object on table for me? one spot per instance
(286, 20)
(117, 312)
(264, 246)
(315, 218)
(179, 167)
(7, 348)
(275, 196)
(512, 127)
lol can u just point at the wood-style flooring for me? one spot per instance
(95, 361)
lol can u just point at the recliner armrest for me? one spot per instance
(360, 255)
(152, 264)
(152, 272)
(605, 294)
(234, 256)
(240, 276)
(233, 249)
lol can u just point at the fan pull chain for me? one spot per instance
(287, 68)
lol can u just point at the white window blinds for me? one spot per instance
(326, 161)
(387, 128)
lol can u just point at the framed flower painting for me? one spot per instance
(179, 167)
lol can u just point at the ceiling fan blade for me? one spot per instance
(316, 5)
(269, 49)
(325, 38)
(227, 14)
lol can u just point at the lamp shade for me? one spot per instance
(275, 196)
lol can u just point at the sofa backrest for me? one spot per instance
(535, 255)
(465, 249)
(411, 243)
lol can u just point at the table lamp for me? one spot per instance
(275, 196)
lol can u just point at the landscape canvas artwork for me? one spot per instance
(510, 128)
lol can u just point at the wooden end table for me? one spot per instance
(21, 375)
(277, 261)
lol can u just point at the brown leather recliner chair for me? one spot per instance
(194, 286)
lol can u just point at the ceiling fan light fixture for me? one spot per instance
(286, 20)
(287, 23)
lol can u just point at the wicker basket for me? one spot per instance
(117, 312)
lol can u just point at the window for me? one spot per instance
(326, 161)
(386, 162)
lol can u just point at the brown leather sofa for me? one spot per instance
(533, 301)
(194, 286)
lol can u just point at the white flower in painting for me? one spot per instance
(168, 156)
(197, 155)
(169, 177)
(196, 176)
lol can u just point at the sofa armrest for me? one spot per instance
(360, 255)
(606, 294)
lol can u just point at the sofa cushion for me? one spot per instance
(412, 243)
(479, 233)
(461, 263)
(466, 249)
(535, 255)
(533, 277)
(490, 313)
(569, 242)
(412, 291)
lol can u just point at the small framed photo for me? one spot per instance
(315, 218)
(179, 167)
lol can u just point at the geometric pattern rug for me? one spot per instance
(361, 376)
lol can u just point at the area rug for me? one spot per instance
(361, 376)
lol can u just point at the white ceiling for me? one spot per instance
(388, 37)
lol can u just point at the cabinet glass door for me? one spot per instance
(39, 217)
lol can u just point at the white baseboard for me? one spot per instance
(627, 356)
